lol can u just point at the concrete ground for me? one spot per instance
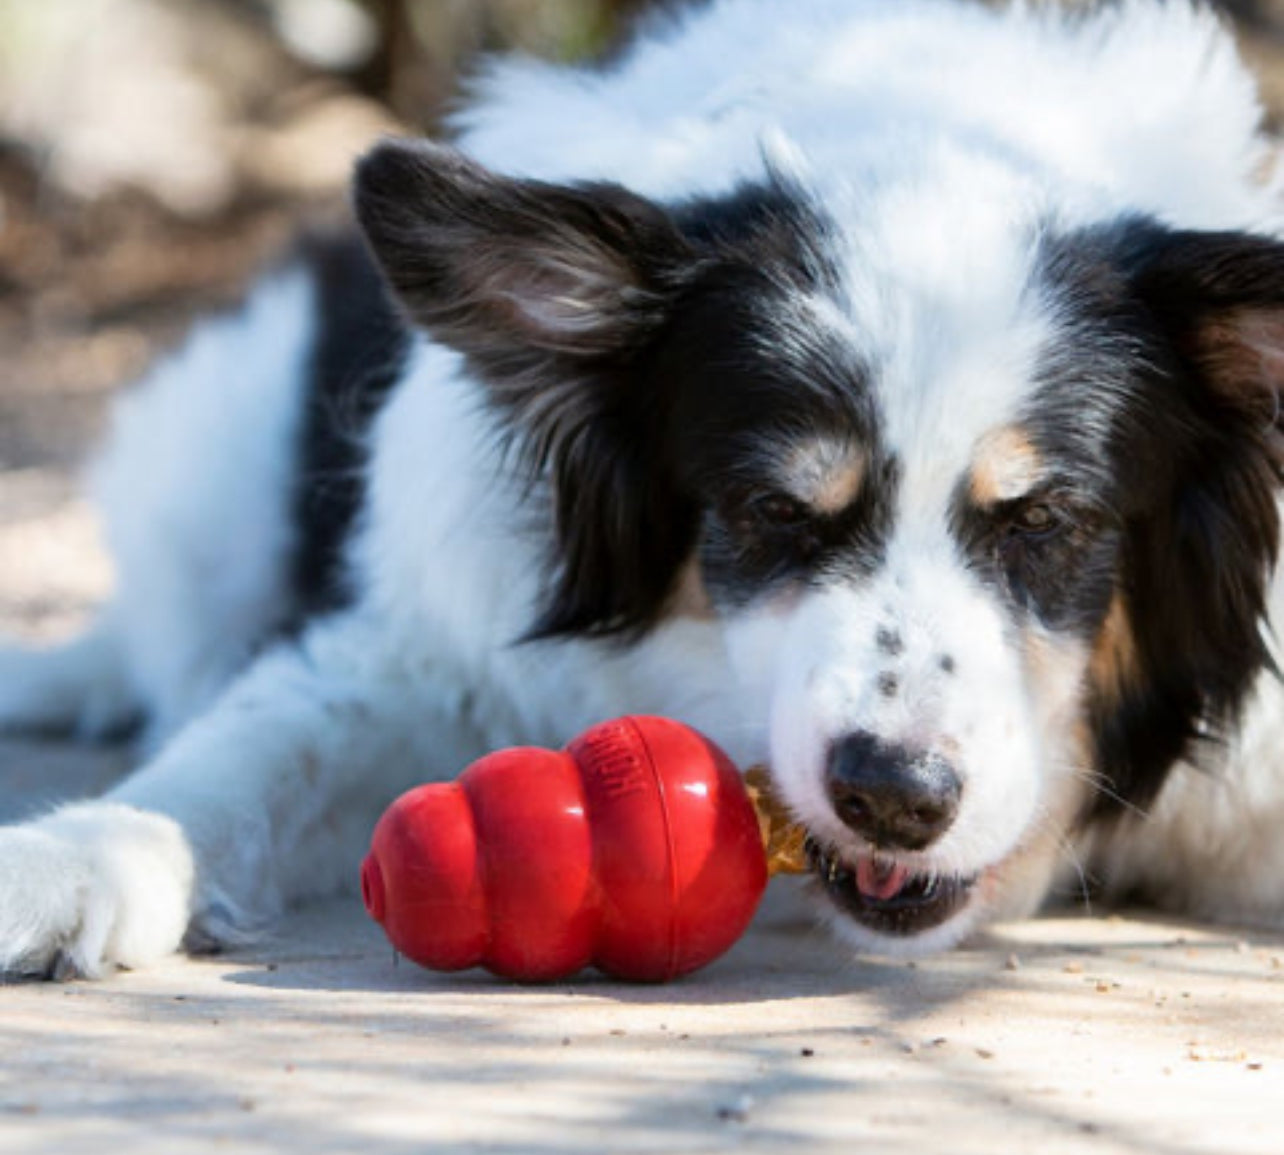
(1069, 1034)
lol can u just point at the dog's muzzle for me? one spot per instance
(896, 800)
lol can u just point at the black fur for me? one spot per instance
(552, 293)
(632, 346)
(1191, 441)
(359, 353)
(753, 378)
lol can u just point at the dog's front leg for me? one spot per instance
(268, 798)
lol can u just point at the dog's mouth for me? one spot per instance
(886, 896)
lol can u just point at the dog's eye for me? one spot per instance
(778, 509)
(1035, 520)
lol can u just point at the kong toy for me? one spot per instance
(637, 850)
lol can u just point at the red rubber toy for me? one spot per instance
(635, 850)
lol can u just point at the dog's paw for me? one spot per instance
(89, 888)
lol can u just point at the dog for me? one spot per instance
(887, 388)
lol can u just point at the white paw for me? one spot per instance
(92, 887)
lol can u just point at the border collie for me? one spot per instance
(886, 387)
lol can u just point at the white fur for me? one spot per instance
(1144, 105)
(936, 134)
(195, 491)
(91, 886)
(84, 686)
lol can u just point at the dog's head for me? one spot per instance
(985, 500)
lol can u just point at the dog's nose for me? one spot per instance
(895, 798)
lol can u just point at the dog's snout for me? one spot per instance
(894, 797)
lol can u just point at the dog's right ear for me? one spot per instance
(553, 293)
(515, 272)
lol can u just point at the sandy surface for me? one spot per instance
(1100, 1034)
(1106, 1035)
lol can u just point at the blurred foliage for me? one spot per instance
(180, 97)
(155, 153)
(423, 44)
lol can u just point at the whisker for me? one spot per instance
(1044, 821)
(1097, 781)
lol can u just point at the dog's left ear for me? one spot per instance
(1219, 296)
(1183, 649)
(554, 293)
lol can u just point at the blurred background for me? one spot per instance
(155, 153)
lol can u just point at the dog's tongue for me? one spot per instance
(880, 880)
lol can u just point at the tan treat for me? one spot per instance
(783, 839)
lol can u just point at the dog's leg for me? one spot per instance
(267, 798)
(81, 687)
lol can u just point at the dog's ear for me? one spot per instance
(1219, 298)
(1187, 634)
(554, 293)
(513, 271)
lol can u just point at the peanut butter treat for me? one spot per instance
(783, 839)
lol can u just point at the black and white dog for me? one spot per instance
(888, 388)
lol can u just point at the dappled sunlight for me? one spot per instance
(1060, 1028)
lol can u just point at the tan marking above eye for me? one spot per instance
(825, 474)
(1005, 465)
